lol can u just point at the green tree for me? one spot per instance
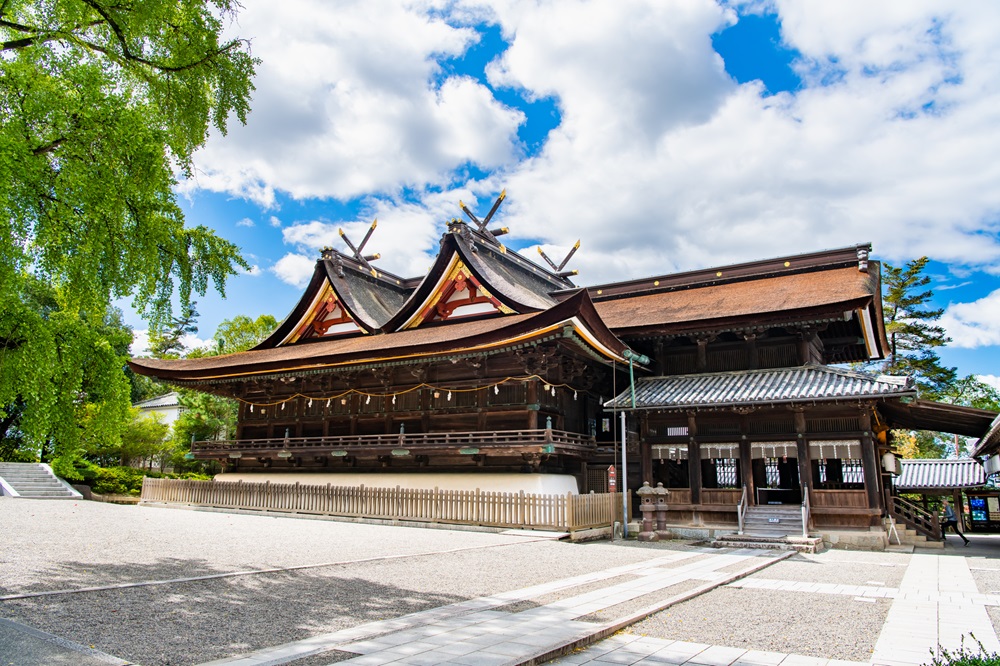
(169, 343)
(102, 101)
(241, 332)
(913, 335)
(208, 416)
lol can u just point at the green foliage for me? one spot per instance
(61, 377)
(124, 480)
(241, 332)
(920, 444)
(966, 656)
(912, 335)
(101, 102)
(205, 416)
(168, 343)
(972, 392)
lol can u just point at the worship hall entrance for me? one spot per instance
(776, 473)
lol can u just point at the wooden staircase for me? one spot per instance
(772, 526)
(914, 526)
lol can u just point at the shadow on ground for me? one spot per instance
(193, 622)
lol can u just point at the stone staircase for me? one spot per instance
(772, 526)
(33, 481)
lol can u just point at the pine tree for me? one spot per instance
(913, 335)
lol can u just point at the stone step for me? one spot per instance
(800, 544)
(35, 481)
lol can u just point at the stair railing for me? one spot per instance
(805, 513)
(741, 509)
(915, 517)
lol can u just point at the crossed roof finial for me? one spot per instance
(491, 234)
(363, 259)
(558, 270)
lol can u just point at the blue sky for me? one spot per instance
(665, 135)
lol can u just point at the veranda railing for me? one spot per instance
(567, 512)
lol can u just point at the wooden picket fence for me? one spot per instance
(567, 513)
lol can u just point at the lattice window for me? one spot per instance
(726, 475)
(772, 427)
(844, 424)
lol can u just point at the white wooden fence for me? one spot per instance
(567, 512)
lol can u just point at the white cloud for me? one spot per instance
(140, 342)
(294, 269)
(992, 380)
(275, 221)
(245, 222)
(254, 271)
(974, 324)
(660, 162)
(349, 102)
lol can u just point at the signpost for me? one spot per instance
(612, 479)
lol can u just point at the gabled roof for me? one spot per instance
(519, 285)
(368, 299)
(989, 444)
(810, 383)
(159, 402)
(574, 320)
(380, 302)
(938, 474)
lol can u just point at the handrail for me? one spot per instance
(487, 439)
(915, 517)
(741, 508)
(805, 513)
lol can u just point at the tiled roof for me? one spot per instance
(940, 474)
(759, 298)
(165, 400)
(749, 387)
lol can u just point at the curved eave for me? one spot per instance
(574, 318)
(294, 318)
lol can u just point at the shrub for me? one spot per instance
(965, 656)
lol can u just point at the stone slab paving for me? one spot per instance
(475, 633)
(936, 604)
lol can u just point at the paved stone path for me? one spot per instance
(936, 603)
(473, 633)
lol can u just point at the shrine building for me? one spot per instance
(495, 372)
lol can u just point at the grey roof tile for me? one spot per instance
(935, 474)
(780, 385)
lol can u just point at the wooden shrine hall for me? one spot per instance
(492, 371)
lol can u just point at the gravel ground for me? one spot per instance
(837, 571)
(70, 545)
(987, 581)
(819, 625)
(629, 608)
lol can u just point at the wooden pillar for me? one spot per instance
(746, 459)
(870, 463)
(752, 359)
(702, 354)
(533, 405)
(645, 450)
(694, 460)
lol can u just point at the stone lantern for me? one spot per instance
(660, 493)
(647, 506)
